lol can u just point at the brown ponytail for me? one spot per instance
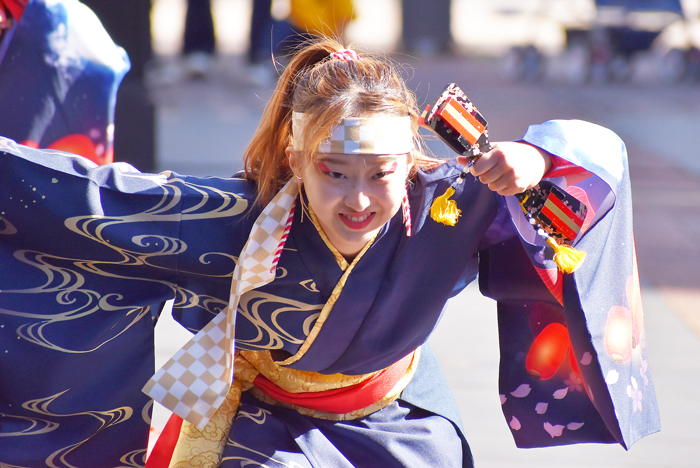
(265, 160)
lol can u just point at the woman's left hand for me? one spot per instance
(510, 167)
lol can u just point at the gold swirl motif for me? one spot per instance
(96, 227)
(106, 418)
(36, 426)
(309, 285)
(258, 418)
(7, 465)
(146, 412)
(165, 210)
(6, 227)
(281, 272)
(270, 334)
(234, 260)
(185, 299)
(67, 283)
(34, 332)
(135, 459)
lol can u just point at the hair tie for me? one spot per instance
(346, 55)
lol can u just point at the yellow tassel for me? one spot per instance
(444, 210)
(567, 258)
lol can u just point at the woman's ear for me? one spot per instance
(410, 163)
(293, 159)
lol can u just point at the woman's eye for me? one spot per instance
(388, 170)
(383, 174)
(335, 175)
(327, 171)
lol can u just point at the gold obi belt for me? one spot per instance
(335, 397)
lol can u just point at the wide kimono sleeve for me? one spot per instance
(87, 255)
(574, 365)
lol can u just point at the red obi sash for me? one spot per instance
(342, 400)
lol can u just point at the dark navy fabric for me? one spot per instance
(399, 435)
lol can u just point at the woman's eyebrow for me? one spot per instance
(345, 160)
(333, 160)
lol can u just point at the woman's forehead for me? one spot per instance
(360, 159)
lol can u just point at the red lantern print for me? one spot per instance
(30, 143)
(76, 144)
(548, 351)
(618, 334)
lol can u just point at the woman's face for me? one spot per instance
(352, 195)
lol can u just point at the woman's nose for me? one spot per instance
(357, 198)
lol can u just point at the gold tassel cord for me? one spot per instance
(567, 258)
(444, 210)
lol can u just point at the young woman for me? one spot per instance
(313, 281)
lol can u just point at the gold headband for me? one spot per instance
(359, 135)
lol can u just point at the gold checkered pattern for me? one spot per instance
(360, 135)
(194, 383)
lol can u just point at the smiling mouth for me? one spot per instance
(357, 222)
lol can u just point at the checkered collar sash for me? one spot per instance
(195, 381)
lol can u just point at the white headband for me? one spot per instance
(359, 135)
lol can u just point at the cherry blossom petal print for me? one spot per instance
(643, 371)
(554, 430)
(522, 391)
(586, 359)
(515, 424)
(635, 394)
(541, 408)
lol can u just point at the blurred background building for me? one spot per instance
(575, 40)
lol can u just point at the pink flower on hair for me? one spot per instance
(346, 55)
